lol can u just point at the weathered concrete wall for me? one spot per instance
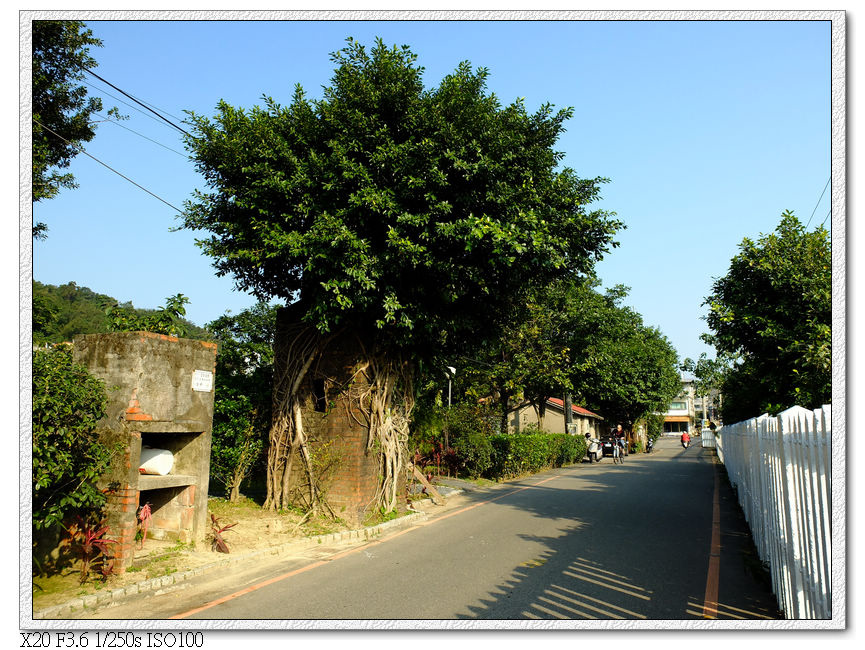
(149, 377)
(160, 394)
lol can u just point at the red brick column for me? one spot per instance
(121, 517)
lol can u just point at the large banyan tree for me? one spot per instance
(412, 219)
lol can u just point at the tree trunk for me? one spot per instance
(302, 346)
(235, 493)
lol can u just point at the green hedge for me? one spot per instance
(518, 454)
(476, 449)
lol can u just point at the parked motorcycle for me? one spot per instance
(650, 444)
(595, 450)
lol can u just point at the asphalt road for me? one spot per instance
(657, 538)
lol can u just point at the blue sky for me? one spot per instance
(707, 130)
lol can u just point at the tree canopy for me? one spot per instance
(425, 214)
(573, 338)
(61, 108)
(414, 220)
(772, 313)
(624, 369)
(529, 358)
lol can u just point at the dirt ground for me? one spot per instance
(255, 529)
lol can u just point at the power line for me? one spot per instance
(136, 101)
(108, 119)
(818, 202)
(102, 91)
(827, 216)
(147, 104)
(72, 144)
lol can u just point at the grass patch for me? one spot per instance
(223, 507)
(378, 517)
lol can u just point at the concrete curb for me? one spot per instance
(174, 581)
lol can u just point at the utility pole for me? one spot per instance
(569, 413)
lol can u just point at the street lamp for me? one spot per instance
(451, 373)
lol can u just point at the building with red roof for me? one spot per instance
(583, 419)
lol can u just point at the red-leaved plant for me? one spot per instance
(144, 516)
(93, 548)
(218, 544)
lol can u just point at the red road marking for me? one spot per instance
(270, 581)
(710, 599)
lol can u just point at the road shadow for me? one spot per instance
(599, 568)
(563, 584)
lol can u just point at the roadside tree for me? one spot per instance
(624, 369)
(62, 111)
(772, 313)
(527, 359)
(415, 219)
(708, 374)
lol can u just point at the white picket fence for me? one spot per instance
(781, 468)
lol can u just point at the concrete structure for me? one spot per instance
(160, 394)
(554, 418)
(335, 426)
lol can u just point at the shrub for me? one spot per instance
(523, 453)
(470, 428)
(165, 320)
(237, 442)
(476, 449)
(68, 456)
(426, 433)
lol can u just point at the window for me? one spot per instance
(679, 406)
(320, 395)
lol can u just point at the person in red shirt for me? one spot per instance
(686, 439)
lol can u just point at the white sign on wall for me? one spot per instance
(202, 381)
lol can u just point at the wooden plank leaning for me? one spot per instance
(436, 497)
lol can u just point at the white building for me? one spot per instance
(681, 414)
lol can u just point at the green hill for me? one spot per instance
(62, 312)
